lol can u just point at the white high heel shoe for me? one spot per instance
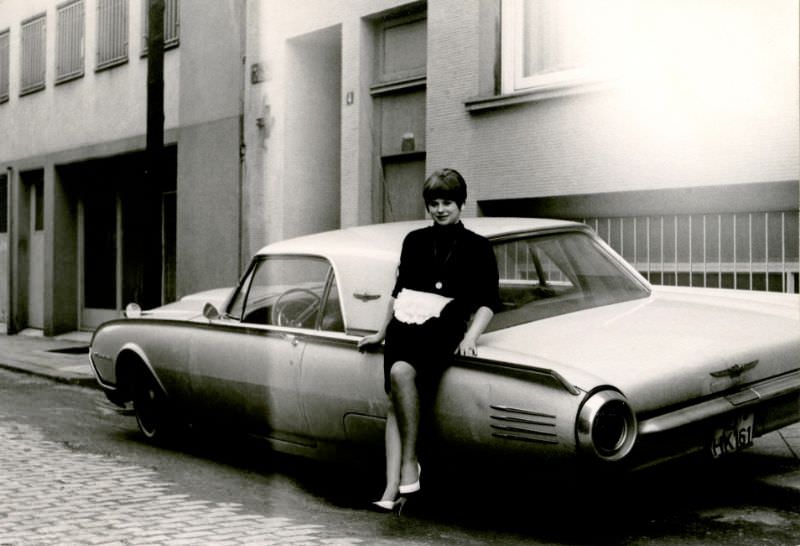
(412, 487)
(387, 506)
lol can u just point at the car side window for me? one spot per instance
(292, 291)
(332, 319)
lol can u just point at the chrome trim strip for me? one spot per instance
(763, 391)
(525, 439)
(521, 368)
(101, 356)
(521, 421)
(104, 384)
(510, 409)
(525, 431)
(747, 396)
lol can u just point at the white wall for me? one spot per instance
(99, 107)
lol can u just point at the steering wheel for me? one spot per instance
(296, 311)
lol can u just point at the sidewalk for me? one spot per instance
(62, 358)
(66, 359)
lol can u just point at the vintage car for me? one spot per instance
(586, 363)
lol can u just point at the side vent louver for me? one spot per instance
(523, 425)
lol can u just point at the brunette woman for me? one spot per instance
(444, 297)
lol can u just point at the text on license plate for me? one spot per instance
(735, 435)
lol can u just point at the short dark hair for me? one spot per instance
(445, 184)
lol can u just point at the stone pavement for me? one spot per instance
(65, 358)
(51, 494)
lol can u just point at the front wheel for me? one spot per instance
(150, 407)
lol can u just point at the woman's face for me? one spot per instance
(444, 211)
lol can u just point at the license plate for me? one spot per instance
(734, 436)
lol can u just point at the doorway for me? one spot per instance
(31, 268)
(100, 263)
(126, 237)
(400, 113)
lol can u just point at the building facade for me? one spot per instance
(670, 127)
(83, 232)
(679, 147)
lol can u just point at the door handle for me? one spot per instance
(291, 338)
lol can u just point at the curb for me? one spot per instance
(69, 378)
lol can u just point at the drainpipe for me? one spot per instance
(11, 286)
(154, 145)
(242, 142)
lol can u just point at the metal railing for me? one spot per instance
(69, 47)
(750, 251)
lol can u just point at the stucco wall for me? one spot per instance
(209, 191)
(267, 154)
(208, 206)
(679, 123)
(103, 106)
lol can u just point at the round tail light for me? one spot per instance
(606, 426)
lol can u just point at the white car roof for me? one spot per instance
(365, 259)
(388, 237)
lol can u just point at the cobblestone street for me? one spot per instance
(50, 494)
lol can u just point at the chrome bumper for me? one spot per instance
(757, 395)
(774, 403)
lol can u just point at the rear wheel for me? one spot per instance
(150, 406)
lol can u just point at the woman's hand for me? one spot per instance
(467, 347)
(479, 323)
(368, 341)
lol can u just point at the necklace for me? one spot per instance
(441, 265)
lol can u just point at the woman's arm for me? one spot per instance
(479, 323)
(379, 336)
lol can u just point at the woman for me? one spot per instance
(444, 297)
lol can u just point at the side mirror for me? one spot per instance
(210, 312)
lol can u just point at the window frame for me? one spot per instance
(513, 82)
(551, 304)
(70, 49)
(103, 63)
(242, 294)
(31, 83)
(5, 65)
(170, 41)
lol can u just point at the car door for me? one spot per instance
(342, 388)
(246, 364)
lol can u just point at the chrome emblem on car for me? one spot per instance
(736, 370)
(366, 296)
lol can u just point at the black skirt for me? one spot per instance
(428, 347)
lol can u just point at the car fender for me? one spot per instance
(124, 366)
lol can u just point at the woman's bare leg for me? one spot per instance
(405, 400)
(393, 453)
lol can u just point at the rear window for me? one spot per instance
(549, 275)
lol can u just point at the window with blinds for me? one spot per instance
(171, 24)
(69, 36)
(34, 48)
(4, 65)
(112, 33)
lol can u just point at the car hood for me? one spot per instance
(191, 306)
(674, 346)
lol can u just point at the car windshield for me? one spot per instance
(549, 275)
